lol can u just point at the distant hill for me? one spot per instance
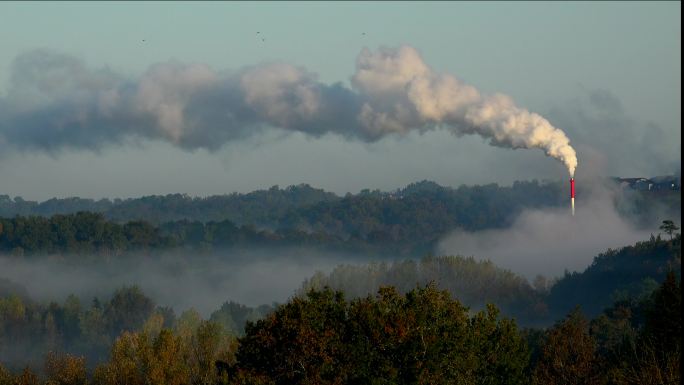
(630, 271)
(474, 283)
(407, 222)
(257, 207)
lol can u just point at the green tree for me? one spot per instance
(128, 310)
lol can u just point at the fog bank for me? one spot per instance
(252, 277)
(549, 241)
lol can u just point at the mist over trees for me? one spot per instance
(628, 272)
(423, 336)
(414, 319)
(408, 222)
(29, 329)
(471, 207)
(474, 283)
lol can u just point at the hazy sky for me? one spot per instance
(608, 74)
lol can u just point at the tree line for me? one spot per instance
(410, 219)
(126, 338)
(90, 234)
(626, 272)
(29, 329)
(421, 337)
(474, 283)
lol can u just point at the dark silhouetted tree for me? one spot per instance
(669, 227)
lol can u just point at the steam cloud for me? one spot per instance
(549, 241)
(54, 102)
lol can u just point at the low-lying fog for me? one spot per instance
(550, 241)
(545, 242)
(252, 277)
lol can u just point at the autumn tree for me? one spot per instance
(6, 378)
(423, 337)
(136, 359)
(65, 370)
(300, 343)
(27, 377)
(568, 356)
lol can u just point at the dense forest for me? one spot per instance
(427, 321)
(406, 223)
(474, 283)
(255, 207)
(415, 318)
(421, 210)
(29, 328)
(627, 272)
(423, 336)
(90, 235)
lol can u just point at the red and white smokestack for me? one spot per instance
(572, 195)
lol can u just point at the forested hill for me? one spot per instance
(406, 222)
(631, 271)
(474, 283)
(419, 210)
(433, 206)
(635, 305)
(258, 207)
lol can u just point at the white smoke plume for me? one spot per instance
(404, 93)
(54, 101)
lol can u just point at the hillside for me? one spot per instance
(408, 221)
(474, 283)
(631, 271)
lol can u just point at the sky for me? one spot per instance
(605, 73)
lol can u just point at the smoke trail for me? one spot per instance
(54, 102)
(404, 93)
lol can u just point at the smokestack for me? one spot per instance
(572, 195)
